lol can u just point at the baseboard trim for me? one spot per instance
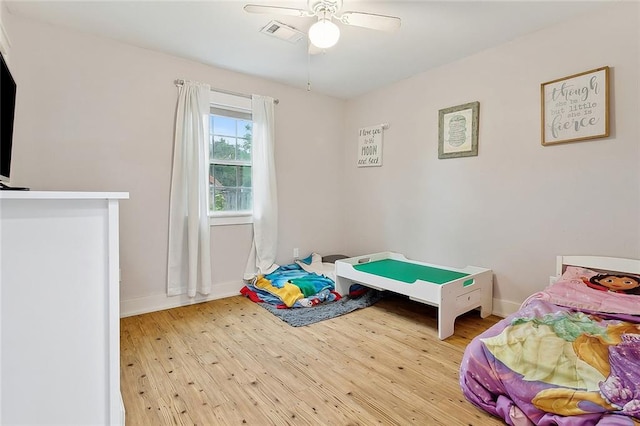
(160, 302)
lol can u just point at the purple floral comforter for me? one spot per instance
(548, 364)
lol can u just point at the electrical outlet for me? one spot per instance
(296, 253)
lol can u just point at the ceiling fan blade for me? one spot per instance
(276, 10)
(370, 20)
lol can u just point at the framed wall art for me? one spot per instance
(575, 108)
(458, 131)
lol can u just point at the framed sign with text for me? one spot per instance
(576, 108)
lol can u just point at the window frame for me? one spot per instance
(229, 102)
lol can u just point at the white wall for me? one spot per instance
(4, 38)
(98, 115)
(516, 205)
(95, 114)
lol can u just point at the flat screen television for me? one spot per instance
(7, 113)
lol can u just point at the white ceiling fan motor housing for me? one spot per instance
(331, 7)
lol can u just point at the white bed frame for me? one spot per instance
(614, 264)
(452, 298)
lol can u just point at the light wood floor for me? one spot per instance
(231, 362)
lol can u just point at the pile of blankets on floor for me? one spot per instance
(290, 286)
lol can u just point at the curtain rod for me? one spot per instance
(180, 82)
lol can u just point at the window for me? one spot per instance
(230, 137)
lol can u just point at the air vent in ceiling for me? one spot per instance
(282, 31)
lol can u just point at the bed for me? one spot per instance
(453, 291)
(569, 356)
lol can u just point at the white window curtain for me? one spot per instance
(189, 263)
(265, 195)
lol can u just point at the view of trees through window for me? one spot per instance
(230, 162)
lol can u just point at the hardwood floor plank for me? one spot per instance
(232, 362)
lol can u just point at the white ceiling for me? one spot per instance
(222, 34)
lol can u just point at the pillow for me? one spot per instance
(588, 289)
(616, 282)
(333, 257)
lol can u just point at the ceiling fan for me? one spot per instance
(324, 33)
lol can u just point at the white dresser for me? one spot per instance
(59, 308)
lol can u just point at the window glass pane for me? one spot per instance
(211, 177)
(232, 198)
(245, 131)
(225, 199)
(244, 199)
(244, 149)
(224, 148)
(217, 200)
(244, 176)
(223, 126)
(225, 175)
(244, 128)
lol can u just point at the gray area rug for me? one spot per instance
(298, 317)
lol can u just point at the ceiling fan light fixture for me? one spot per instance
(324, 34)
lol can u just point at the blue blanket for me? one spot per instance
(292, 286)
